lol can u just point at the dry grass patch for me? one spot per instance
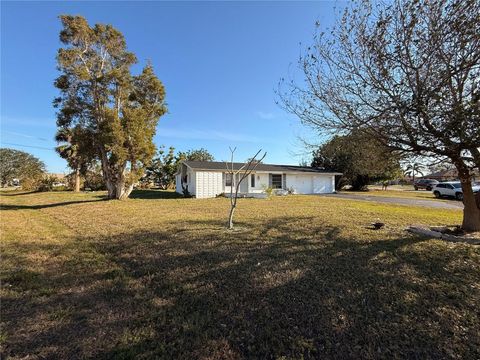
(157, 276)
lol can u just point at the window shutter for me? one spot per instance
(284, 181)
(269, 180)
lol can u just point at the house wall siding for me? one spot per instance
(178, 183)
(261, 182)
(192, 188)
(209, 184)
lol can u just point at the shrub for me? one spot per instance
(31, 183)
(46, 184)
(94, 180)
(268, 191)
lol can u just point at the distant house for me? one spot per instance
(61, 179)
(448, 175)
(59, 176)
(206, 179)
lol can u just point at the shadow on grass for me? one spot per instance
(277, 290)
(45, 206)
(16, 192)
(155, 194)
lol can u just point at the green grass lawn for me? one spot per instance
(158, 277)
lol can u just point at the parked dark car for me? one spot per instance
(427, 184)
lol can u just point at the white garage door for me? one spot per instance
(322, 184)
(303, 184)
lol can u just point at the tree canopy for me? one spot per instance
(406, 72)
(22, 166)
(116, 110)
(361, 159)
(163, 167)
(196, 155)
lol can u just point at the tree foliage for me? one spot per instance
(406, 72)
(413, 169)
(195, 155)
(93, 178)
(117, 111)
(76, 148)
(360, 158)
(20, 165)
(164, 166)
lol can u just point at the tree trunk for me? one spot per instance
(471, 211)
(233, 203)
(77, 180)
(230, 218)
(110, 184)
(123, 191)
(114, 179)
(118, 190)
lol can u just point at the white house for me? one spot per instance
(206, 179)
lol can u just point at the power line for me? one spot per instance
(24, 135)
(28, 146)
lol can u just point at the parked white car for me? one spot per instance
(451, 189)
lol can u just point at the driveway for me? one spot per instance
(456, 205)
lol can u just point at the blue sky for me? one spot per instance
(220, 63)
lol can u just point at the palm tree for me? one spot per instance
(414, 168)
(78, 157)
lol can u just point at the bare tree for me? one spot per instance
(408, 73)
(241, 173)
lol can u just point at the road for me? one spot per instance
(454, 204)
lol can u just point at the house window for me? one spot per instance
(228, 179)
(252, 180)
(276, 181)
(185, 179)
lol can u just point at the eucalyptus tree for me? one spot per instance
(117, 110)
(406, 72)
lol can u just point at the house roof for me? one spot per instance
(220, 166)
(449, 173)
